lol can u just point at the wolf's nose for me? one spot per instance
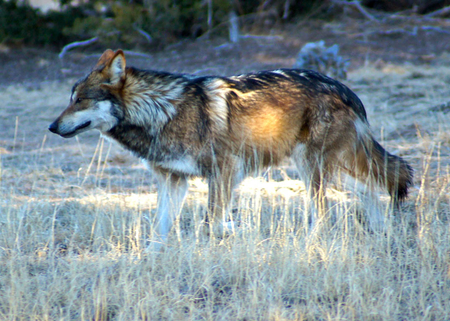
(53, 127)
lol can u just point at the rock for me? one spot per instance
(316, 56)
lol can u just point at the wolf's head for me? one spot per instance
(94, 100)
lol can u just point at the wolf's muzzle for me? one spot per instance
(53, 127)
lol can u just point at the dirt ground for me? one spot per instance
(75, 213)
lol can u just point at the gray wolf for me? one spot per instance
(225, 128)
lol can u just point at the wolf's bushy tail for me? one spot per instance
(387, 170)
(395, 172)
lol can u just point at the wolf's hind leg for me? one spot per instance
(375, 216)
(365, 190)
(313, 174)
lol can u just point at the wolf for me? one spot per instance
(226, 128)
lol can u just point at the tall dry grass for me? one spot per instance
(75, 216)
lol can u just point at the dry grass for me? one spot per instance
(75, 216)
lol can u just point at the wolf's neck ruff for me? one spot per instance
(148, 97)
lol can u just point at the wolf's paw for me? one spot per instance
(229, 228)
(220, 230)
(377, 226)
(154, 246)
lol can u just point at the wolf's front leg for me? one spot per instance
(172, 189)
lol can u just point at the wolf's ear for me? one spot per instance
(112, 65)
(104, 59)
(116, 67)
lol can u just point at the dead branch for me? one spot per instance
(436, 29)
(287, 5)
(358, 6)
(396, 31)
(233, 28)
(76, 44)
(385, 32)
(439, 13)
(262, 37)
(143, 33)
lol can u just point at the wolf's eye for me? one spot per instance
(78, 100)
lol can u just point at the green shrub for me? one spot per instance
(20, 23)
(129, 23)
(164, 21)
(17, 21)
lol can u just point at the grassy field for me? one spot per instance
(75, 216)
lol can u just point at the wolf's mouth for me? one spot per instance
(76, 130)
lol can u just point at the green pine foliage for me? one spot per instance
(20, 23)
(142, 22)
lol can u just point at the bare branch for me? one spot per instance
(76, 44)
(358, 6)
(233, 27)
(210, 14)
(412, 32)
(262, 37)
(287, 5)
(143, 33)
(439, 13)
